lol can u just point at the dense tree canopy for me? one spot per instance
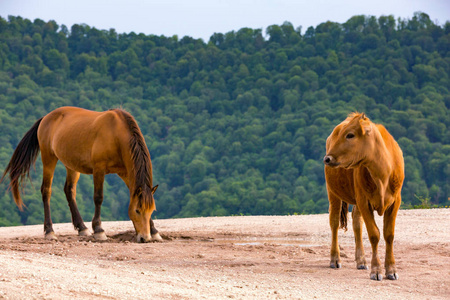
(236, 125)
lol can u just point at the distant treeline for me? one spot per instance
(237, 125)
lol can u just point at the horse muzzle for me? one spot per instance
(330, 161)
(140, 238)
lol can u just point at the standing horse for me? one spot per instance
(89, 142)
(364, 167)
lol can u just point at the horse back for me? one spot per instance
(83, 140)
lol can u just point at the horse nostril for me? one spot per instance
(329, 160)
(142, 240)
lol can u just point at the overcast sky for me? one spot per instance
(202, 18)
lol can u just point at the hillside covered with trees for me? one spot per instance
(236, 125)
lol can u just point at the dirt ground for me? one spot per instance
(261, 257)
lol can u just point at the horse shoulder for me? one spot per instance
(111, 142)
(365, 182)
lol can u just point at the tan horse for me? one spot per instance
(89, 142)
(364, 167)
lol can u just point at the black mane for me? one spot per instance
(142, 164)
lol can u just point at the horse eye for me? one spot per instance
(138, 212)
(349, 136)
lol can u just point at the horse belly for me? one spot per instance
(84, 157)
(73, 148)
(75, 159)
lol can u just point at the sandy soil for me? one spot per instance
(261, 257)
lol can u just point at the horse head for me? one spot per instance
(349, 142)
(142, 205)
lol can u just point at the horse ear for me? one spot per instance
(363, 116)
(366, 126)
(154, 189)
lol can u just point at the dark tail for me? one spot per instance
(23, 157)
(344, 211)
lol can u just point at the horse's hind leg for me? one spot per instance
(70, 189)
(388, 230)
(155, 234)
(359, 248)
(99, 233)
(49, 164)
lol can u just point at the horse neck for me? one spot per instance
(131, 177)
(380, 166)
(379, 162)
(129, 174)
(141, 170)
(136, 156)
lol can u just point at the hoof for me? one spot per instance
(100, 236)
(51, 236)
(376, 276)
(156, 237)
(393, 276)
(335, 265)
(84, 232)
(362, 267)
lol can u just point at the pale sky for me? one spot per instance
(202, 18)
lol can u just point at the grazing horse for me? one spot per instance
(364, 167)
(88, 142)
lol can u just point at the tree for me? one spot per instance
(237, 125)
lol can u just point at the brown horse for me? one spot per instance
(89, 142)
(364, 167)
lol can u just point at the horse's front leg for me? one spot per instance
(359, 247)
(155, 234)
(388, 231)
(374, 237)
(99, 233)
(334, 215)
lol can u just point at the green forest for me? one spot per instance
(235, 125)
